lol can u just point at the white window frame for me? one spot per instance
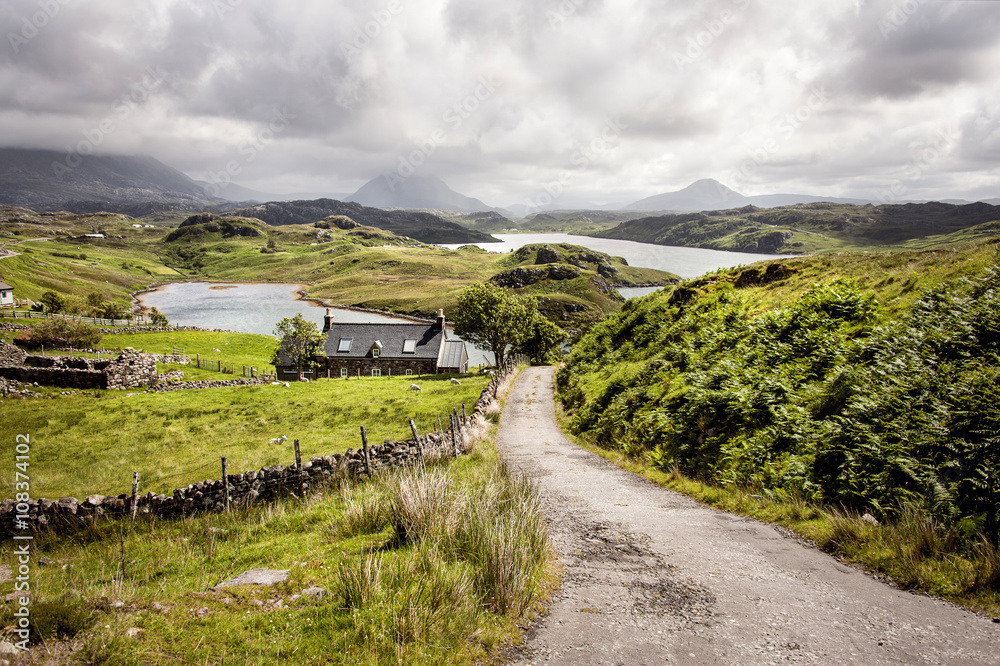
(376, 372)
(343, 373)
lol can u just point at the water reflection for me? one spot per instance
(246, 308)
(688, 262)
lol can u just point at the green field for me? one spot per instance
(425, 566)
(93, 441)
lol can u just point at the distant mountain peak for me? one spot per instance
(704, 194)
(390, 190)
(710, 194)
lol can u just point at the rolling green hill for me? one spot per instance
(860, 383)
(341, 262)
(808, 228)
(425, 227)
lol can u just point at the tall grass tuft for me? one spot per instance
(360, 581)
(424, 505)
(845, 530)
(365, 511)
(987, 564)
(495, 526)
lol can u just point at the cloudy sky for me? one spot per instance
(510, 102)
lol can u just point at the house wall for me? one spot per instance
(7, 297)
(388, 367)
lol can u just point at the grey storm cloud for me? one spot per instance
(503, 99)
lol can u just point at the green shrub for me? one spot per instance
(825, 398)
(60, 333)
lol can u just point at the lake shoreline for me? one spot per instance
(300, 295)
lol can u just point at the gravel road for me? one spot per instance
(652, 577)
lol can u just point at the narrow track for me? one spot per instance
(653, 577)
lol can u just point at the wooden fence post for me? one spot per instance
(298, 456)
(135, 497)
(465, 419)
(225, 481)
(416, 436)
(364, 451)
(454, 435)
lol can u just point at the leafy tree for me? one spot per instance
(543, 345)
(61, 333)
(494, 318)
(299, 342)
(115, 309)
(157, 318)
(53, 302)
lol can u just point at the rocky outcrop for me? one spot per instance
(521, 277)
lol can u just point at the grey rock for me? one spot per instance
(255, 577)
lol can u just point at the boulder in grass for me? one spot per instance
(255, 577)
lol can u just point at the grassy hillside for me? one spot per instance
(423, 226)
(581, 222)
(575, 286)
(809, 228)
(862, 383)
(439, 564)
(355, 265)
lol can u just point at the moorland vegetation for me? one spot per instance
(863, 386)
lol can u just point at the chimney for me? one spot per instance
(328, 320)
(440, 319)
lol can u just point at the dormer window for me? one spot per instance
(377, 349)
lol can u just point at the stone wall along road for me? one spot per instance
(652, 577)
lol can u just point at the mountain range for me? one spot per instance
(44, 179)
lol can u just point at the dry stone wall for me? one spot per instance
(248, 488)
(130, 370)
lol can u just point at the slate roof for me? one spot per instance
(4, 285)
(392, 337)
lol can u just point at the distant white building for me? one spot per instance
(6, 295)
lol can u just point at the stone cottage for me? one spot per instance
(384, 349)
